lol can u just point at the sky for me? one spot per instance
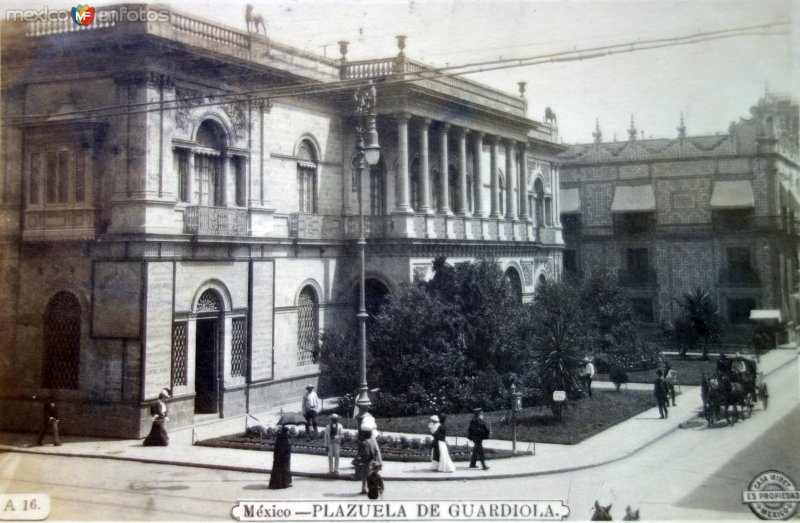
(711, 83)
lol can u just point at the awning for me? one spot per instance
(766, 314)
(570, 201)
(733, 195)
(633, 198)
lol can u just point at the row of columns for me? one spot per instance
(462, 209)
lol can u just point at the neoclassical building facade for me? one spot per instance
(665, 216)
(180, 209)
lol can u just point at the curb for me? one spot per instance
(324, 475)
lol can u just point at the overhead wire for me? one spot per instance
(428, 73)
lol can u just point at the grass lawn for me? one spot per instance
(580, 419)
(688, 370)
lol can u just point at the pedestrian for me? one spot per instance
(368, 451)
(333, 438)
(158, 436)
(661, 393)
(588, 374)
(433, 427)
(445, 462)
(50, 421)
(375, 482)
(281, 475)
(670, 376)
(310, 408)
(476, 433)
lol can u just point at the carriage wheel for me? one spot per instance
(762, 391)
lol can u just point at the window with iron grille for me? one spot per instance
(62, 341)
(179, 345)
(238, 346)
(307, 327)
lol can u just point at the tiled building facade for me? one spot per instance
(179, 209)
(665, 216)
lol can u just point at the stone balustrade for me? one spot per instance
(215, 221)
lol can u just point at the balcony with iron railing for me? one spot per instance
(215, 221)
(637, 278)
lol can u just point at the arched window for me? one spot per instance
(208, 162)
(62, 342)
(452, 186)
(502, 196)
(307, 326)
(307, 177)
(538, 191)
(512, 276)
(416, 196)
(541, 281)
(469, 194)
(377, 190)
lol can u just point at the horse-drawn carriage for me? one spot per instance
(737, 383)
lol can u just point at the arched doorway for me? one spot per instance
(376, 295)
(208, 364)
(513, 279)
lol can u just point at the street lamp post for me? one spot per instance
(367, 154)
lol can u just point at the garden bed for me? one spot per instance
(580, 420)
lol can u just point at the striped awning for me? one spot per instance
(570, 201)
(733, 195)
(633, 198)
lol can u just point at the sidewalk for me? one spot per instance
(613, 444)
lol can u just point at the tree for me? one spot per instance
(558, 338)
(701, 312)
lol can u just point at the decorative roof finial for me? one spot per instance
(632, 131)
(598, 134)
(343, 48)
(682, 128)
(401, 44)
(522, 88)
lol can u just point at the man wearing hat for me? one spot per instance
(310, 408)
(333, 438)
(588, 374)
(477, 432)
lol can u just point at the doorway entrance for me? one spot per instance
(206, 381)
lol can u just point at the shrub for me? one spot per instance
(618, 377)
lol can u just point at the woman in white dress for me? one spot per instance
(441, 454)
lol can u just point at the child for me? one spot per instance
(375, 482)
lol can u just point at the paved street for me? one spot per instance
(692, 473)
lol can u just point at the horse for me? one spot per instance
(715, 399)
(601, 513)
(254, 19)
(550, 116)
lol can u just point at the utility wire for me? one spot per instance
(429, 73)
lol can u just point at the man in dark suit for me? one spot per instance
(477, 432)
(50, 421)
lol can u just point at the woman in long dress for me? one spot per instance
(433, 427)
(281, 476)
(158, 436)
(445, 463)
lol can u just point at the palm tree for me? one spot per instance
(702, 313)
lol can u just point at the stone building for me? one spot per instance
(179, 209)
(664, 216)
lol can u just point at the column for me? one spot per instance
(511, 176)
(424, 170)
(444, 197)
(226, 173)
(494, 176)
(477, 176)
(524, 212)
(462, 208)
(402, 164)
